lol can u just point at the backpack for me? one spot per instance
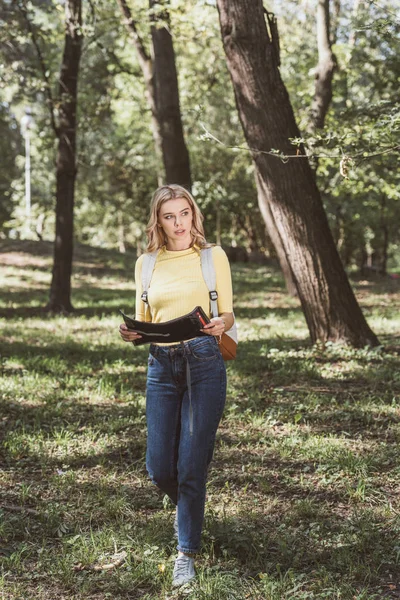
(229, 339)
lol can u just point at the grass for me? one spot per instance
(303, 496)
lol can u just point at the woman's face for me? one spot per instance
(176, 218)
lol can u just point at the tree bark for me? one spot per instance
(251, 233)
(276, 240)
(162, 94)
(146, 65)
(60, 291)
(325, 69)
(174, 150)
(288, 188)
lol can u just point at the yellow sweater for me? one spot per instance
(177, 285)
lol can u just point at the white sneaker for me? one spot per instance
(183, 570)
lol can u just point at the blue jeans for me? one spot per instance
(181, 430)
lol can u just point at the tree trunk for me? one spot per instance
(325, 68)
(121, 232)
(287, 188)
(174, 150)
(385, 236)
(60, 291)
(251, 234)
(385, 247)
(40, 225)
(146, 64)
(162, 94)
(273, 233)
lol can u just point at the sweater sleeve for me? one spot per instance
(140, 306)
(224, 280)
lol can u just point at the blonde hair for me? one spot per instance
(155, 234)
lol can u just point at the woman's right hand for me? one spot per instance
(128, 335)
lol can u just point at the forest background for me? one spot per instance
(116, 162)
(303, 495)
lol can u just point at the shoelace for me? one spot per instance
(182, 566)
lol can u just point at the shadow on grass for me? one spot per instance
(82, 252)
(52, 357)
(298, 357)
(376, 287)
(90, 302)
(289, 530)
(350, 547)
(282, 385)
(262, 312)
(297, 507)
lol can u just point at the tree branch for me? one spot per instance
(286, 157)
(325, 69)
(116, 60)
(130, 25)
(146, 64)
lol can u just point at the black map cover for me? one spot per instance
(177, 330)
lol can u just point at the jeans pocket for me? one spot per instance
(150, 360)
(204, 351)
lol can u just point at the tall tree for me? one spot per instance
(288, 187)
(174, 150)
(325, 68)
(162, 92)
(146, 65)
(264, 208)
(60, 291)
(275, 238)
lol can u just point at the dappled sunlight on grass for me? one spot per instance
(303, 496)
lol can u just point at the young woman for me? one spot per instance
(182, 422)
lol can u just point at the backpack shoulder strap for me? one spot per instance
(209, 275)
(208, 269)
(149, 261)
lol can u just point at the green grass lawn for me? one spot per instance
(303, 495)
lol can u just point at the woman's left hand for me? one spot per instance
(216, 327)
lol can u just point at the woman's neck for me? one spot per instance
(176, 245)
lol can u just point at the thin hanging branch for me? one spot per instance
(130, 24)
(284, 157)
(147, 66)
